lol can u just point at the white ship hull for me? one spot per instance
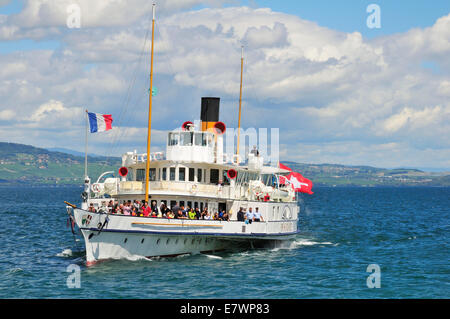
(129, 237)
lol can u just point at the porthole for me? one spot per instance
(167, 241)
(193, 240)
(157, 242)
(90, 236)
(185, 240)
(142, 241)
(125, 240)
(176, 241)
(200, 241)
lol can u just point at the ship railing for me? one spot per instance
(225, 191)
(139, 158)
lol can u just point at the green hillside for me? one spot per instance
(342, 175)
(31, 165)
(34, 166)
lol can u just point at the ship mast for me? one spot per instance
(147, 167)
(240, 104)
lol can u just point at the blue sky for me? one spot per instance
(340, 93)
(351, 15)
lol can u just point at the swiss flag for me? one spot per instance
(300, 183)
(297, 181)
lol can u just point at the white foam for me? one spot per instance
(65, 253)
(213, 256)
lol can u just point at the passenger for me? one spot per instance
(186, 211)
(197, 213)
(145, 209)
(207, 216)
(162, 210)
(249, 216)
(92, 208)
(225, 216)
(175, 209)
(180, 215)
(216, 216)
(240, 215)
(254, 151)
(120, 209)
(110, 206)
(154, 208)
(192, 214)
(127, 208)
(257, 215)
(170, 214)
(137, 205)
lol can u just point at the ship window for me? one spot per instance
(186, 138)
(182, 174)
(189, 204)
(195, 205)
(172, 173)
(181, 203)
(152, 174)
(199, 175)
(172, 203)
(214, 176)
(198, 139)
(191, 174)
(174, 139)
(140, 175)
(164, 173)
(201, 206)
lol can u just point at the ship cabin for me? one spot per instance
(195, 172)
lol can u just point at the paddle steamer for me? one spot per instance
(194, 171)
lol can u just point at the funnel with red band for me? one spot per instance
(123, 171)
(209, 114)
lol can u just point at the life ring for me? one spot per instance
(97, 187)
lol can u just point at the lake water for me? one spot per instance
(404, 231)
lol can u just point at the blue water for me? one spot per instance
(343, 230)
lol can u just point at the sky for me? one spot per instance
(343, 82)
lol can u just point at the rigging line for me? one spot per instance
(116, 137)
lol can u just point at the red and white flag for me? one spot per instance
(297, 181)
(300, 183)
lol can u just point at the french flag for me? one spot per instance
(100, 122)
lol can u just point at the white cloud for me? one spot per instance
(330, 92)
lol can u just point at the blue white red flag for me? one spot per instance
(99, 122)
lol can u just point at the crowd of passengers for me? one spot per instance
(142, 209)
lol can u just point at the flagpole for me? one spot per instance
(240, 104)
(86, 145)
(147, 167)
